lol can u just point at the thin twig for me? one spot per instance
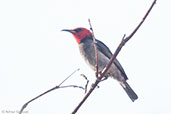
(86, 82)
(68, 76)
(112, 59)
(56, 87)
(95, 47)
(75, 86)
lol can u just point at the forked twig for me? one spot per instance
(86, 82)
(122, 43)
(56, 87)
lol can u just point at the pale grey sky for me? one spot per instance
(35, 55)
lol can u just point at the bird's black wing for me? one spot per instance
(106, 51)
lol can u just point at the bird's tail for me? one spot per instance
(132, 95)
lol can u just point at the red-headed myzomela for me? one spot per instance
(85, 42)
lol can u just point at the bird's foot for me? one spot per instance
(98, 74)
(105, 78)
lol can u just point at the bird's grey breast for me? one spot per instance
(88, 53)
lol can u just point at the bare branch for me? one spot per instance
(95, 47)
(56, 87)
(124, 40)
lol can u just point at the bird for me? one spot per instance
(84, 39)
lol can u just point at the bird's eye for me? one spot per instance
(78, 30)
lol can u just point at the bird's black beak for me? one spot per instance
(68, 30)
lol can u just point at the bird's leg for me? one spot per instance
(97, 74)
(105, 77)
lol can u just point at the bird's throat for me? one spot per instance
(78, 40)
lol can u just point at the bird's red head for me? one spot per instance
(80, 33)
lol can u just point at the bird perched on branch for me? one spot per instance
(84, 39)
